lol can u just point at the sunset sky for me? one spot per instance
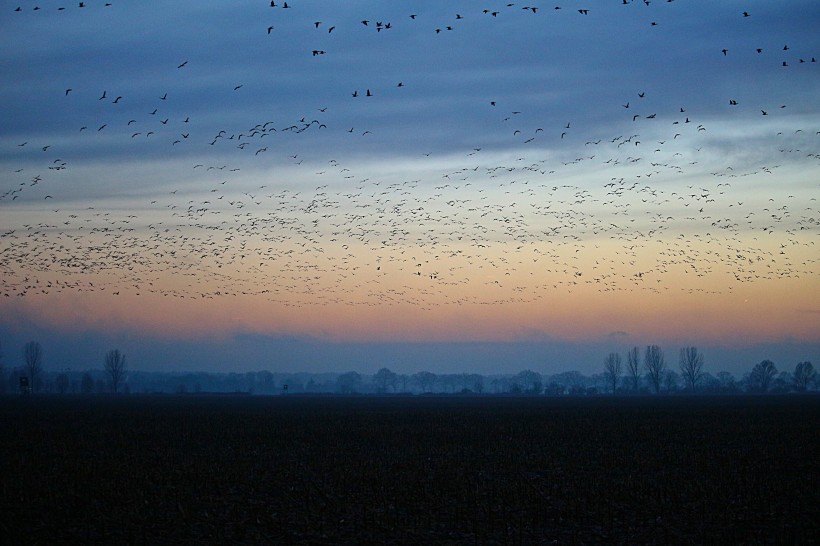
(451, 186)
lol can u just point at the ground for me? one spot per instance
(349, 470)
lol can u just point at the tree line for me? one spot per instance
(31, 376)
(640, 372)
(652, 370)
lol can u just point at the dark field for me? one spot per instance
(161, 470)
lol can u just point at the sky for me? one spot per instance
(446, 186)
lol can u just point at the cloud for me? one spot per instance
(618, 334)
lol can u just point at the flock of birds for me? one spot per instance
(537, 208)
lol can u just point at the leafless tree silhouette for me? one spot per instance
(612, 369)
(530, 382)
(33, 358)
(115, 367)
(654, 364)
(804, 374)
(425, 380)
(633, 366)
(385, 378)
(762, 375)
(691, 366)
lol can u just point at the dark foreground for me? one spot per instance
(291, 470)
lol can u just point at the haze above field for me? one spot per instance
(447, 186)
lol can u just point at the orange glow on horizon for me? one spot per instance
(746, 315)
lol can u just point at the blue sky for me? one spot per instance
(592, 180)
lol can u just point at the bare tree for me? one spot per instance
(425, 380)
(804, 374)
(727, 382)
(448, 382)
(530, 381)
(115, 367)
(612, 369)
(476, 382)
(633, 367)
(33, 358)
(762, 375)
(385, 378)
(671, 381)
(654, 364)
(691, 366)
